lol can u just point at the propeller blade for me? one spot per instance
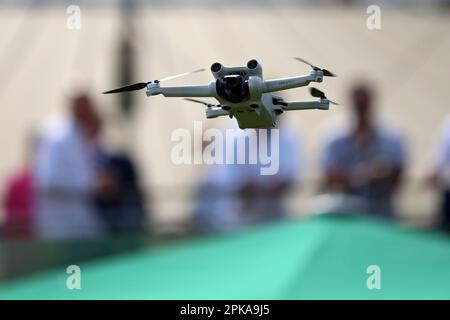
(326, 72)
(317, 93)
(197, 101)
(131, 87)
(181, 75)
(332, 102)
(304, 61)
(142, 85)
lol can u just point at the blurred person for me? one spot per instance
(215, 209)
(119, 200)
(441, 175)
(237, 195)
(367, 161)
(66, 164)
(262, 197)
(19, 201)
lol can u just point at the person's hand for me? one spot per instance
(380, 170)
(278, 187)
(360, 175)
(106, 184)
(248, 190)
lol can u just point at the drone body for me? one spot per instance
(242, 93)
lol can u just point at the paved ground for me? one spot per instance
(407, 59)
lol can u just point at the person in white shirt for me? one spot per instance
(65, 171)
(234, 195)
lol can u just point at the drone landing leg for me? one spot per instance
(305, 105)
(215, 112)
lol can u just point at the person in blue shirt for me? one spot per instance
(441, 175)
(366, 161)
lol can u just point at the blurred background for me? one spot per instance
(104, 161)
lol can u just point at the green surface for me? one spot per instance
(323, 257)
(19, 257)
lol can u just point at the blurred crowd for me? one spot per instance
(71, 187)
(363, 166)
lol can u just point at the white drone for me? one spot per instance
(242, 93)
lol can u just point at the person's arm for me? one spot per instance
(336, 179)
(397, 176)
(390, 171)
(388, 175)
(335, 176)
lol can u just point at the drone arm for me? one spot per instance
(321, 104)
(293, 82)
(182, 91)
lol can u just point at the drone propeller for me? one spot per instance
(142, 85)
(319, 94)
(180, 75)
(199, 101)
(326, 72)
(131, 87)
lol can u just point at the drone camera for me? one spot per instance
(233, 88)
